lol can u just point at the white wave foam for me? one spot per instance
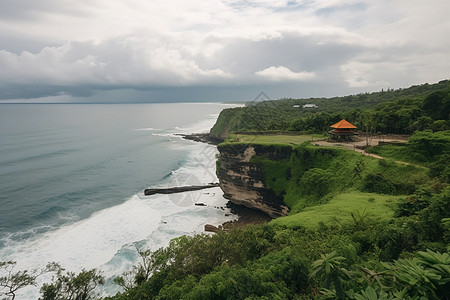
(202, 126)
(147, 129)
(226, 105)
(164, 134)
(92, 242)
(179, 220)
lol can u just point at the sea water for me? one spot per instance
(72, 179)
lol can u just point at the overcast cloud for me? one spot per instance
(217, 50)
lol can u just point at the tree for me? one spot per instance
(422, 123)
(328, 268)
(426, 145)
(71, 286)
(437, 105)
(11, 281)
(151, 262)
(368, 122)
(440, 125)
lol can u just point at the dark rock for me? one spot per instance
(202, 138)
(178, 189)
(212, 228)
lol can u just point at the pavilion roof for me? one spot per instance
(343, 124)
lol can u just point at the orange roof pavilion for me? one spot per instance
(342, 130)
(343, 124)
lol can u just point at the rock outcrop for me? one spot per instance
(178, 189)
(243, 181)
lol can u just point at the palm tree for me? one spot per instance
(328, 267)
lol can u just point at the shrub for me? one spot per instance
(426, 145)
(440, 168)
(316, 182)
(378, 183)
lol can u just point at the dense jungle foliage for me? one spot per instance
(359, 227)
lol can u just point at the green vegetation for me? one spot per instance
(426, 148)
(397, 152)
(343, 209)
(71, 286)
(394, 111)
(270, 138)
(314, 175)
(67, 286)
(11, 280)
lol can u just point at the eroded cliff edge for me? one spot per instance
(242, 177)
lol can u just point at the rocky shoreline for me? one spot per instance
(202, 138)
(246, 216)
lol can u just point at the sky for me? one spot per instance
(217, 50)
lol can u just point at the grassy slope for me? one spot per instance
(340, 209)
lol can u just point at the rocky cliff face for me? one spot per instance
(242, 180)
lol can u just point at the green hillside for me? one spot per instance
(419, 107)
(343, 209)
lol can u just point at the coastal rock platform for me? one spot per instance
(178, 189)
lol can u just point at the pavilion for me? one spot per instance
(342, 130)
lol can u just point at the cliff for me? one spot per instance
(230, 119)
(242, 177)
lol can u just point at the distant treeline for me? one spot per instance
(400, 111)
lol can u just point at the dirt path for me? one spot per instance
(360, 142)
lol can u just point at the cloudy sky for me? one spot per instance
(217, 50)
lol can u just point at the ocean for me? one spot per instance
(72, 179)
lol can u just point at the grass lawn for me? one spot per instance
(340, 209)
(290, 139)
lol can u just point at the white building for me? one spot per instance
(310, 106)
